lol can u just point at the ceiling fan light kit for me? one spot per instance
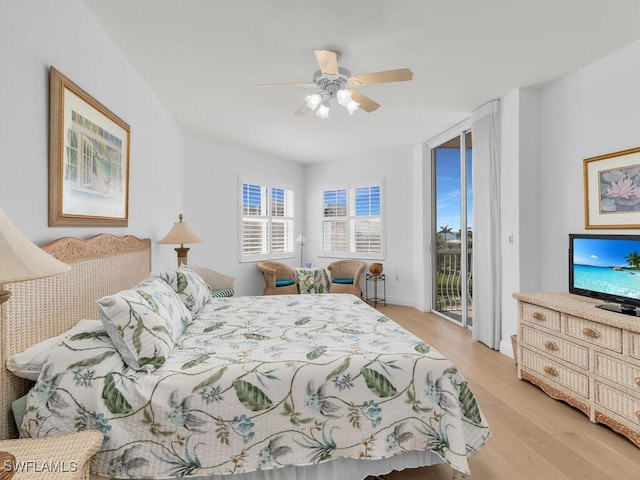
(333, 82)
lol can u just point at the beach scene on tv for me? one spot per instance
(607, 265)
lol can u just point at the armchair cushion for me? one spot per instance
(279, 278)
(343, 281)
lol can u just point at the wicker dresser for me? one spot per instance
(585, 356)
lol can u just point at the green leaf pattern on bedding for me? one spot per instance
(259, 383)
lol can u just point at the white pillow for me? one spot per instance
(215, 281)
(29, 363)
(144, 323)
(192, 289)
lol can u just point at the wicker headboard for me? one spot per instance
(43, 308)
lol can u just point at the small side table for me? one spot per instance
(370, 277)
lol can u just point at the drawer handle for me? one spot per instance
(590, 333)
(538, 316)
(550, 371)
(550, 345)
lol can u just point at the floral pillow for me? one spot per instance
(192, 289)
(144, 323)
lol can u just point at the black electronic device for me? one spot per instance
(607, 268)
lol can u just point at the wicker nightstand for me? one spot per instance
(65, 457)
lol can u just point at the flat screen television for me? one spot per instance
(607, 268)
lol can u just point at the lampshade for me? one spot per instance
(302, 238)
(20, 259)
(180, 233)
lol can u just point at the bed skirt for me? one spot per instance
(342, 468)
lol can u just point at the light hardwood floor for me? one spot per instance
(533, 436)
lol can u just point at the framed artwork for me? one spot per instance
(612, 190)
(88, 159)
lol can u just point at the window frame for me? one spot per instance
(269, 218)
(350, 217)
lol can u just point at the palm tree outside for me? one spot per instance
(446, 230)
(633, 259)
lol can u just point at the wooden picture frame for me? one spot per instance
(612, 190)
(88, 159)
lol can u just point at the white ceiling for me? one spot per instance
(203, 57)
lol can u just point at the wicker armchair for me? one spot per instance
(279, 278)
(69, 450)
(345, 276)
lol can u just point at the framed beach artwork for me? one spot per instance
(88, 159)
(612, 190)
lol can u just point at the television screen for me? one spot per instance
(605, 267)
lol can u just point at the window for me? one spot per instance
(352, 223)
(267, 222)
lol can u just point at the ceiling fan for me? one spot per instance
(337, 82)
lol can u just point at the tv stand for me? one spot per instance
(620, 308)
(588, 357)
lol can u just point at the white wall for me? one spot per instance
(212, 173)
(519, 207)
(590, 113)
(35, 35)
(397, 169)
(547, 133)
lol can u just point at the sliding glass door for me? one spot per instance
(453, 230)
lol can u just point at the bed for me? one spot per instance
(252, 388)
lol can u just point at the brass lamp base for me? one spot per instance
(182, 255)
(4, 296)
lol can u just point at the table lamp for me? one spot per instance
(180, 234)
(302, 239)
(21, 259)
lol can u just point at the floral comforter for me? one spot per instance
(258, 383)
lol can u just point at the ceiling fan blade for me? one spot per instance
(302, 110)
(365, 102)
(290, 84)
(400, 75)
(328, 61)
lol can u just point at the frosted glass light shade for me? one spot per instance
(313, 100)
(344, 97)
(352, 106)
(21, 259)
(322, 111)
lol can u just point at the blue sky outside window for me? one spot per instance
(367, 201)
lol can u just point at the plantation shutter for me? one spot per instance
(255, 220)
(281, 220)
(267, 222)
(352, 221)
(335, 232)
(366, 225)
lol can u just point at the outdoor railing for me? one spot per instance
(450, 280)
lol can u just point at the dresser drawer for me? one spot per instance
(556, 346)
(541, 316)
(618, 402)
(595, 333)
(546, 368)
(617, 371)
(634, 345)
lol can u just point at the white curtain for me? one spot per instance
(487, 314)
